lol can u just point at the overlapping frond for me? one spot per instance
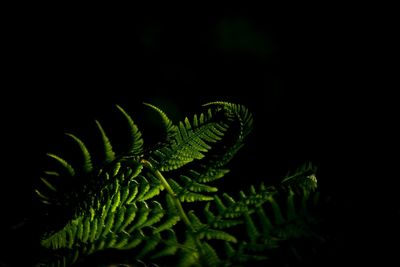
(74, 179)
(239, 113)
(129, 219)
(248, 219)
(264, 231)
(214, 167)
(191, 141)
(121, 203)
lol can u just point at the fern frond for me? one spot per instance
(170, 248)
(144, 187)
(109, 154)
(242, 114)
(210, 256)
(87, 161)
(141, 217)
(136, 142)
(156, 187)
(216, 221)
(170, 128)
(157, 212)
(252, 231)
(265, 222)
(262, 232)
(188, 144)
(151, 242)
(172, 214)
(205, 231)
(70, 170)
(185, 195)
(213, 167)
(133, 190)
(189, 256)
(207, 174)
(190, 141)
(195, 186)
(123, 228)
(126, 203)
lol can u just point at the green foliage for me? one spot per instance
(126, 204)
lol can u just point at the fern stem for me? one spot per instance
(170, 191)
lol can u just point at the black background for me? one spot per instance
(297, 68)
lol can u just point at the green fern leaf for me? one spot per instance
(277, 212)
(137, 238)
(86, 230)
(141, 216)
(219, 204)
(155, 188)
(167, 123)
(196, 223)
(151, 243)
(108, 150)
(264, 221)
(189, 256)
(130, 215)
(136, 145)
(116, 201)
(217, 234)
(115, 169)
(124, 194)
(93, 231)
(189, 144)
(210, 256)
(187, 196)
(242, 114)
(144, 187)
(251, 228)
(109, 222)
(133, 190)
(110, 210)
(170, 247)
(64, 163)
(208, 174)
(122, 242)
(168, 223)
(120, 217)
(173, 215)
(218, 222)
(155, 215)
(87, 161)
(197, 187)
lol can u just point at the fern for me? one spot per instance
(133, 201)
